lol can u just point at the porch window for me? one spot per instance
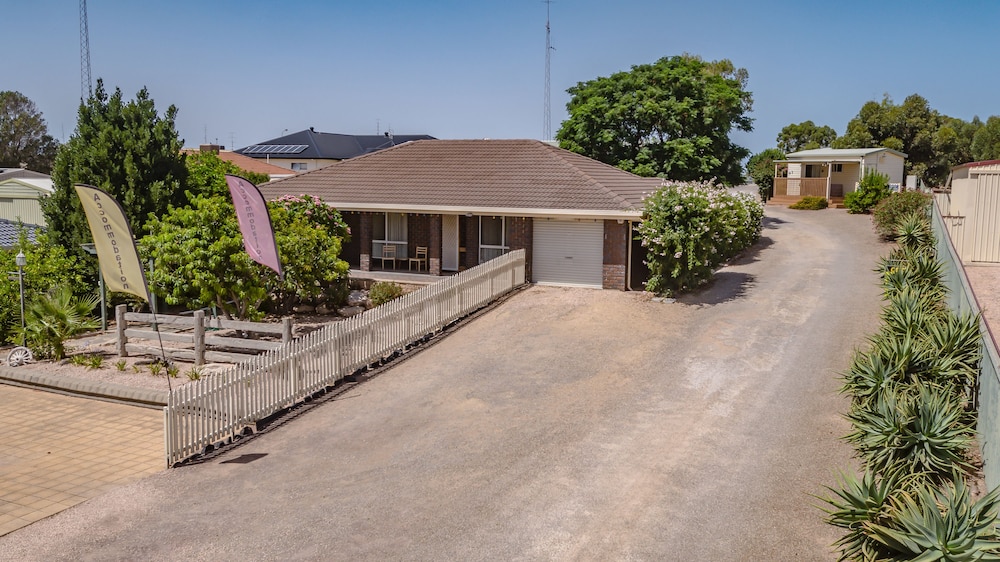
(492, 238)
(389, 228)
(838, 167)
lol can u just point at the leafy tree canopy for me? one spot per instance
(986, 141)
(24, 136)
(932, 142)
(206, 174)
(670, 119)
(805, 136)
(199, 259)
(124, 148)
(760, 168)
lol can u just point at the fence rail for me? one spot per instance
(213, 410)
(962, 300)
(815, 187)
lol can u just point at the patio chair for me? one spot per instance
(388, 254)
(420, 258)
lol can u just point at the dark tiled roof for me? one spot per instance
(472, 174)
(9, 232)
(330, 146)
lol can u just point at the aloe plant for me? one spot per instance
(858, 503)
(914, 232)
(869, 375)
(924, 431)
(940, 524)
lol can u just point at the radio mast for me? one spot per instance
(86, 87)
(547, 119)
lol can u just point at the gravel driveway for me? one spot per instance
(563, 425)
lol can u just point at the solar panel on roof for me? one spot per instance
(275, 149)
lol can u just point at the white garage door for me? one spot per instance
(568, 252)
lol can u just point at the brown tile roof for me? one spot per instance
(471, 174)
(253, 164)
(247, 163)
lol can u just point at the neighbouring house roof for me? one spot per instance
(309, 144)
(980, 164)
(41, 185)
(9, 232)
(824, 154)
(529, 177)
(249, 164)
(21, 173)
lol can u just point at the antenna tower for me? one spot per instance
(86, 87)
(547, 120)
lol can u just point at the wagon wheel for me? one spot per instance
(19, 356)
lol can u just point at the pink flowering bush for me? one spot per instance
(314, 210)
(689, 229)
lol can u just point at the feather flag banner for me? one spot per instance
(116, 251)
(255, 223)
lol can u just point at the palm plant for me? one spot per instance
(55, 317)
(940, 524)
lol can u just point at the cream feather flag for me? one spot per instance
(116, 251)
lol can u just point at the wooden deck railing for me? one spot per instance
(214, 410)
(815, 187)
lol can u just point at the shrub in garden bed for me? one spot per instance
(872, 188)
(689, 229)
(889, 213)
(810, 203)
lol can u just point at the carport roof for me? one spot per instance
(474, 175)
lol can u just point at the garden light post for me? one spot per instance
(21, 261)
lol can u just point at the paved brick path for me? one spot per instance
(57, 451)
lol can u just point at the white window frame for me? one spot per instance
(401, 245)
(300, 166)
(504, 246)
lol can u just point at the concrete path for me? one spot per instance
(57, 451)
(563, 425)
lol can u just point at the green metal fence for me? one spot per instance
(961, 299)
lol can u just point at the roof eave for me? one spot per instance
(609, 214)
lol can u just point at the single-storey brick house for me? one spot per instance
(467, 201)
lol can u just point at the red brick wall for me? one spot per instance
(519, 235)
(364, 235)
(616, 242)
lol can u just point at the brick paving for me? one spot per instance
(57, 451)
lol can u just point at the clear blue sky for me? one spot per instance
(243, 72)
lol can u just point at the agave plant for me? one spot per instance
(939, 524)
(858, 503)
(870, 374)
(910, 310)
(957, 344)
(923, 431)
(54, 318)
(914, 232)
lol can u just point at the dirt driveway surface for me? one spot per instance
(563, 425)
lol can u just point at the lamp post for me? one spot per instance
(21, 261)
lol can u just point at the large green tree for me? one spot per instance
(125, 148)
(986, 141)
(24, 136)
(805, 136)
(670, 119)
(760, 168)
(932, 142)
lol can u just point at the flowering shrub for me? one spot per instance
(315, 210)
(689, 229)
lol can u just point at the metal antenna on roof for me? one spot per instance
(547, 119)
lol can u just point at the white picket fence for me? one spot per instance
(214, 410)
